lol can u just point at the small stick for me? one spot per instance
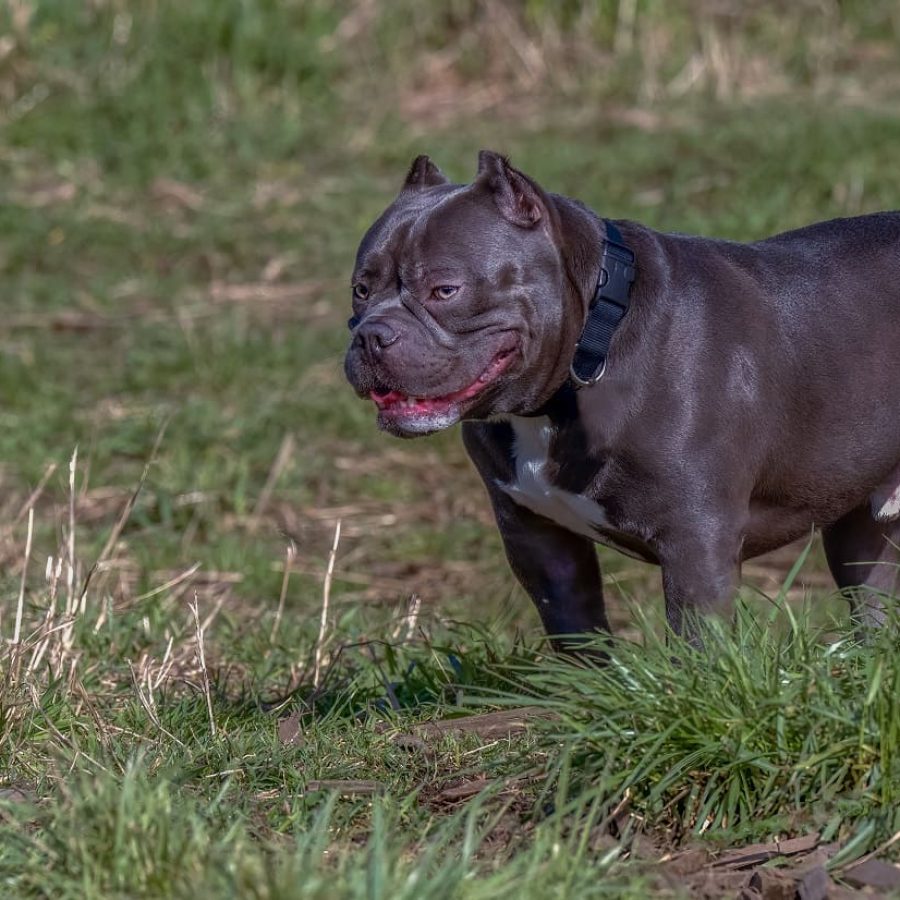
(326, 596)
(17, 632)
(20, 605)
(70, 575)
(171, 583)
(408, 619)
(289, 555)
(412, 615)
(198, 628)
(164, 666)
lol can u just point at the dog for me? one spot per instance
(691, 402)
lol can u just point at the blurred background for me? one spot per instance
(184, 183)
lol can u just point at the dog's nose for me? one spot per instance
(374, 336)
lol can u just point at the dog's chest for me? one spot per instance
(533, 488)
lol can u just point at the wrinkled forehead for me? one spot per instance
(446, 224)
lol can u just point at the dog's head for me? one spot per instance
(459, 305)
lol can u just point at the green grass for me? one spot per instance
(183, 187)
(784, 729)
(144, 840)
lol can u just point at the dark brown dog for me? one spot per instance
(750, 393)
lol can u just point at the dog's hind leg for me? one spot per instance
(864, 558)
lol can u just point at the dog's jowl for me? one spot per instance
(689, 401)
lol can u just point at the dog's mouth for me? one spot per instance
(403, 410)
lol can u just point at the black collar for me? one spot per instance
(609, 305)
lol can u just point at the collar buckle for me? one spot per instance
(593, 378)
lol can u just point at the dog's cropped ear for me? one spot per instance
(517, 197)
(423, 173)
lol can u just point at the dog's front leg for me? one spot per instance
(557, 568)
(701, 572)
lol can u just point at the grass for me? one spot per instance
(787, 729)
(154, 842)
(183, 188)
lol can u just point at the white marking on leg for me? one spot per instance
(531, 488)
(885, 500)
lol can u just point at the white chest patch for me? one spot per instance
(886, 500)
(532, 489)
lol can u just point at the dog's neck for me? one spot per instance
(578, 234)
(581, 242)
(582, 233)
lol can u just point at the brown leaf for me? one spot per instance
(487, 726)
(289, 731)
(873, 873)
(462, 791)
(346, 786)
(803, 844)
(754, 854)
(410, 742)
(745, 857)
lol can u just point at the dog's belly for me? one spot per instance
(771, 526)
(574, 512)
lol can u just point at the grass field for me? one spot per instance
(183, 188)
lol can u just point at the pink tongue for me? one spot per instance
(385, 399)
(392, 397)
(396, 398)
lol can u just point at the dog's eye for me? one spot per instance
(360, 292)
(445, 291)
